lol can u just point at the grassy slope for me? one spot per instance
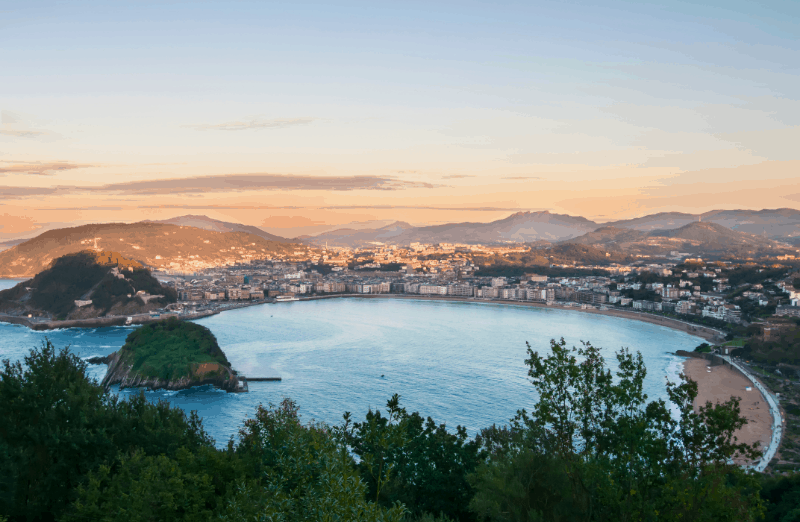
(171, 349)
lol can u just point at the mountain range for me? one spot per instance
(779, 225)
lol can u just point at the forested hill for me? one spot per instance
(107, 279)
(173, 355)
(156, 245)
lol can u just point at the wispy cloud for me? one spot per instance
(521, 177)
(256, 123)
(40, 168)
(458, 176)
(256, 182)
(21, 133)
(226, 183)
(21, 192)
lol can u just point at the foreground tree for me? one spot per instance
(593, 448)
(410, 460)
(306, 473)
(57, 425)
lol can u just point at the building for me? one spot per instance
(787, 311)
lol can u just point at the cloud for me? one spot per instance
(280, 123)
(458, 176)
(40, 168)
(521, 177)
(81, 208)
(792, 197)
(225, 183)
(21, 133)
(255, 182)
(21, 192)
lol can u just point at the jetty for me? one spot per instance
(243, 380)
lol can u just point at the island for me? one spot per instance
(171, 355)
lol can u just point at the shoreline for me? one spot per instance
(704, 332)
(722, 382)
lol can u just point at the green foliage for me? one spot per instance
(703, 348)
(144, 488)
(753, 275)
(591, 449)
(783, 498)
(308, 474)
(600, 451)
(782, 347)
(78, 276)
(56, 289)
(58, 426)
(410, 460)
(168, 349)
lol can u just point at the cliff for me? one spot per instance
(170, 355)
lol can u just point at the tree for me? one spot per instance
(306, 473)
(604, 453)
(58, 425)
(407, 459)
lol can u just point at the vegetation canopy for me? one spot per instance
(593, 448)
(171, 349)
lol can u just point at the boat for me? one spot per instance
(282, 298)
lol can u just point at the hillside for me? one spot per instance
(172, 355)
(782, 224)
(155, 245)
(106, 282)
(521, 227)
(214, 225)
(696, 238)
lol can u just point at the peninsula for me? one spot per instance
(86, 285)
(171, 355)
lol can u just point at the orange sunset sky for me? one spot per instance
(301, 118)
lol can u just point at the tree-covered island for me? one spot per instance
(172, 355)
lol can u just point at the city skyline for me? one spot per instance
(301, 117)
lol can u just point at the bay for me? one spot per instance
(458, 362)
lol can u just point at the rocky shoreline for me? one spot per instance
(120, 373)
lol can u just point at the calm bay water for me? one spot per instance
(460, 363)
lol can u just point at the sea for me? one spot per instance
(461, 363)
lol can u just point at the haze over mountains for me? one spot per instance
(779, 225)
(198, 242)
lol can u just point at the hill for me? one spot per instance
(106, 283)
(214, 225)
(696, 238)
(155, 245)
(521, 227)
(172, 355)
(782, 224)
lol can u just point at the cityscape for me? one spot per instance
(400, 261)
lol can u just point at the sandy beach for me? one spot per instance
(724, 382)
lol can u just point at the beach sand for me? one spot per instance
(724, 382)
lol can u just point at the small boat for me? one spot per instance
(283, 298)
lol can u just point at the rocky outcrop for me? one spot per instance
(121, 372)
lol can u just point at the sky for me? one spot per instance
(300, 117)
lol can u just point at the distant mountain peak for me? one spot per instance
(397, 224)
